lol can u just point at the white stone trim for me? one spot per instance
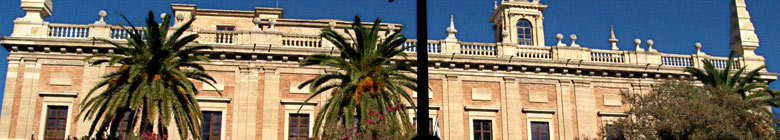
(614, 114)
(297, 109)
(481, 108)
(540, 117)
(539, 110)
(55, 99)
(483, 115)
(214, 99)
(216, 104)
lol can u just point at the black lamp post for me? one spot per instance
(422, 72)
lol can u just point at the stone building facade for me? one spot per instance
(514, 88)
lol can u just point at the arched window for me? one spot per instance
(524, 32)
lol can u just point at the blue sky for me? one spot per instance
(673, 25)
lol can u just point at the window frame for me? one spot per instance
(298, 118)
(53, 98)
(211, 124)
(523, 37)
(122, 129)
(226, 28)
(58, 118)
(538, 125)
(478, 123)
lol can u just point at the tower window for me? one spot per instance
(524, 32)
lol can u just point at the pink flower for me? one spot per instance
(345, 137)
(370, 120)
(381, 117)
(389, 109)
(165, 136)
(359, 134)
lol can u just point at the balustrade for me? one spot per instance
(68, 31)
(534, 52)
(479, 49)
(309, 41)
(676, 60)
(607, 56)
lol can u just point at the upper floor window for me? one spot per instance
(482, 130)
(212, 125)
(524, 32)
(540, 131)
(226, 28)
(56, 120)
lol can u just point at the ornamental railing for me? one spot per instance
(478, 49)
(296, 40)
(434, 46)
(607, 56)
(218, 37)
(676, 60)
(452, 47)
(68, 31)
(534, 52)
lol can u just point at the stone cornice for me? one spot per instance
(268, 53)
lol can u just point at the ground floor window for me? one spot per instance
(482, 130)
(540, 131)
(56, 119)
(212, 125)
(299, 127)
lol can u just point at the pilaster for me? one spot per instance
(512, 106)
(587, 121)
(564, 89)
(270, 103)
(28, 98)
(8, 98)
(454, 111)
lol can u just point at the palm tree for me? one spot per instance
(368, 81)
(152, 82)
(743, 85)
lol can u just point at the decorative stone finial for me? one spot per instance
(102, 14)
(612, 39)
(573, 39)
(390, 27)
(332, 24)
(536, 1)
(650, 43)
(162, 15)
(638, 42)
(495, 4)
(505, 36)
(698, 48)
(559, 36)
(179, 17)
(451, 31)
(272, 22)
(257, 22)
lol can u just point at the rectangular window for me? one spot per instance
(482, 130)
(226, 28)
(56, 120)
(430, 124)
(540, 131)
(299, 127)
(212, 125)
(613, 132)
(122, 129)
